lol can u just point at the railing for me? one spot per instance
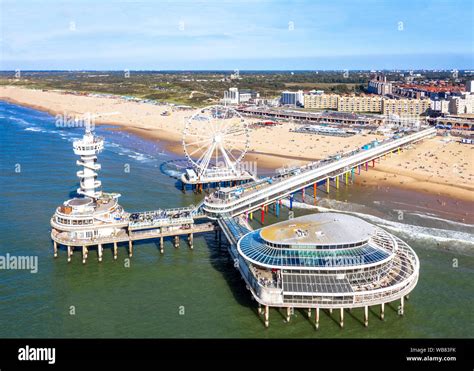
(160, 223)
(280, 187)
(356, 298)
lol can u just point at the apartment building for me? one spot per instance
(360, 104)
(405, 107)
(321, 101)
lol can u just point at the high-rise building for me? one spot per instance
(231, 96)
(470, 86)
(380, 86)
(463, 104)
(440, 105)
(234, 96)
(294, 98)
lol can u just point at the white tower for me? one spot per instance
(88, 147)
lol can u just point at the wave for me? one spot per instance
(436, 217)
(139, 156)
(439, 235)
(173, 173)
(19, 120)
(412, 231)
(34, 129)
(298, 205)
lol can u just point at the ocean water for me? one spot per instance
(187, 293)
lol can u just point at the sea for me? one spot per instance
(194, 293)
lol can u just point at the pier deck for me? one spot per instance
(123, 236)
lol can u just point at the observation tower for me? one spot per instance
(88, 147)
(94, 215)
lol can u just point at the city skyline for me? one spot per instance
(251, 35)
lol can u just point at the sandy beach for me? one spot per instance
(436, 166)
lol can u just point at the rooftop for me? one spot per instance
(319, 229)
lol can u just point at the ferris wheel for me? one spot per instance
(216, 138)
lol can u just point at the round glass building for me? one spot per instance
(326, 261)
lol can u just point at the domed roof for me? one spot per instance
(319, 230)
(317, 241)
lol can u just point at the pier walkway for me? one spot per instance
(249, 197)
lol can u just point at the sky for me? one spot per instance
(236, 35)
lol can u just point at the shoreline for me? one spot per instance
(386, 172)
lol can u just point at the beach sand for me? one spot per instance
(434, 166)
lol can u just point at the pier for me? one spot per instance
(252, 196)
(294, 264)
(146, 225)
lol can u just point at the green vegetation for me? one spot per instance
(198, 88)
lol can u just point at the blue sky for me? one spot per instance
(158, 35)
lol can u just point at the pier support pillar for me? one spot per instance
(130, 248)
(358, 170)
(162, 245)
(69, 253)
(251, 215)
(316, 319)
(115, 250)
(99, 252)
(341, 318)
(366, 316)
(291, 201)
(337, 182)
(259, 309)
(402, 306)
(366, 166)
(55, 249)
(190, 241)
(267, 316)
(85, 252)
(352, 175)
(288, 314)
(277, 209)
(327, 185)
(330, 310)
(302, 194)
(262, 215)
(382, 311)
(373, 163)
(315, 190)
(347, 178)
(176, 241)
(309, 313)
(398, 150)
